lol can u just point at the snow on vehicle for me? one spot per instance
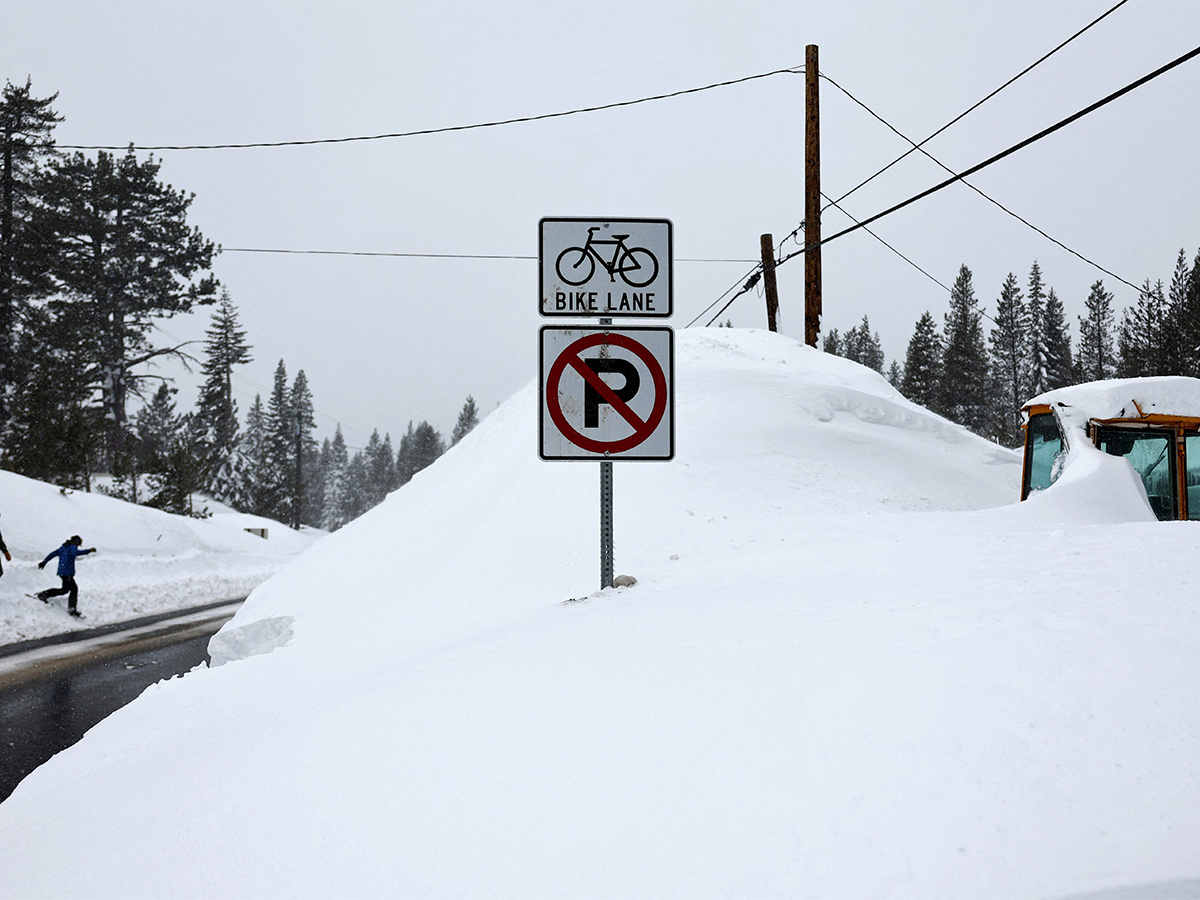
(1154, 423)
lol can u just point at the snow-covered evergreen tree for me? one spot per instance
(419, 448)
(300, 403)
(862, 346)
(1010, 360)
(1096, 359)
(923, 363)
(468, 418)
(181, 473)
(155, 427)
(965, 385)
(832, 342)
(1060, 362)
(280, 453)
(1139, 337)
(355, 499)
(216, 418)
(895, 375)
(1183, 332)
(335, 462)
(263, 484)
(1035, 305)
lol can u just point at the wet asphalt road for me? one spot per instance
(41, 715)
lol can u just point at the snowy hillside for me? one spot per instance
(851, 667)
(146, 560)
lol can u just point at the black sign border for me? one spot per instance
(541, 392)
(575, 314)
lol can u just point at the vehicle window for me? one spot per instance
(1192, 449)
(1149, 452)
(1043, 443)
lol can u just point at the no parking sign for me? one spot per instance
(607, 393)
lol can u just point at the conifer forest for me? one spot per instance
(95, 251)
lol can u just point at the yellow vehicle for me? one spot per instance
(1154, 423)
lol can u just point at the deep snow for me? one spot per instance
(146, 561)
(852, 667)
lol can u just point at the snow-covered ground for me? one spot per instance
(852, 666)
(146, 561)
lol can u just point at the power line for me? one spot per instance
(986, 197)
(435, 255)
(445, 130)
(980, 103)
(1004, 153)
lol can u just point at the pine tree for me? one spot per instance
(418, 448)
(1060, 363)
(923, 363)
(468, 418)
(334, 466)
(965, 387)
(862, 346)
(895, 375)
(1189, 321)
(262, 480)
(1035, 306)
(155, 427)
(1010, 361)
(181, 473)
(1096, 359)
(26, 128)
(225, 347)
(1139, 345)
(54, 433)
(832, 342)
(379, 469)
(125, 256)
(300, 402)
(355, 499)
(280, 456)
(1177, 336)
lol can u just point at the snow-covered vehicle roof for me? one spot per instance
(1128, 398)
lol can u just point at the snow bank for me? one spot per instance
(1124, 397)
(146, 560)
(842, 672)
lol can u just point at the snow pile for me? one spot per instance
(841, 673)
(146, 561)
(1128, 398)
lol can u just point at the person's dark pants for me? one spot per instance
(69, 587)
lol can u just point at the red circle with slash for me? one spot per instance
(641, 429)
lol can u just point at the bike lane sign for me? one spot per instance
(605, 267)
(607, 393)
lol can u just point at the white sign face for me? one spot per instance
(605, 267)
(607, 393)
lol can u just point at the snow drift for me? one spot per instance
(146, 561)
(842, 672)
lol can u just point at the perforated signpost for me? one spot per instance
(607, 393)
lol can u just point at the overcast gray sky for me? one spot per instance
(386, 340)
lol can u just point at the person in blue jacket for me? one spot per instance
(4, 550)
(66, 571)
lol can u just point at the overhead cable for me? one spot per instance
(434, 255)
(980, 103)
(986, 197)
(447, 129)
(1003, 154)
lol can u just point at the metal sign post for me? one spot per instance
(606, 516)
(606, 393)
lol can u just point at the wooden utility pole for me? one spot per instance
(812, 198)
(767, 245)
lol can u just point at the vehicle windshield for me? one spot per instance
(1149, 452)
(1043, 444)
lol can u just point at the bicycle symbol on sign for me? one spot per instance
(637, 266)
